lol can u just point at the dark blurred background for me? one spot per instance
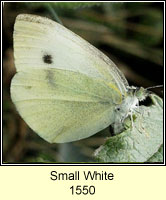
(131, 34)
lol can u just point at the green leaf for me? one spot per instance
(158, 156)
(139, 143)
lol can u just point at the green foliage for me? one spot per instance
(157, 157)
(41, 158)
(67, 5)
(75, 5)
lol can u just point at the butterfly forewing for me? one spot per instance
(65, 89)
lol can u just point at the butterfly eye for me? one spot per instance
(47, 59)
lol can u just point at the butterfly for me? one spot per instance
(65, 89)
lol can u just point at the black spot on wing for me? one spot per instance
(47, 59)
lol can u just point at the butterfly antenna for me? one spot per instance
(156, 86)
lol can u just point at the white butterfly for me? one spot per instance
(64, 88)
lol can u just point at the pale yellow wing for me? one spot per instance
(63, 88)
(36, 37)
